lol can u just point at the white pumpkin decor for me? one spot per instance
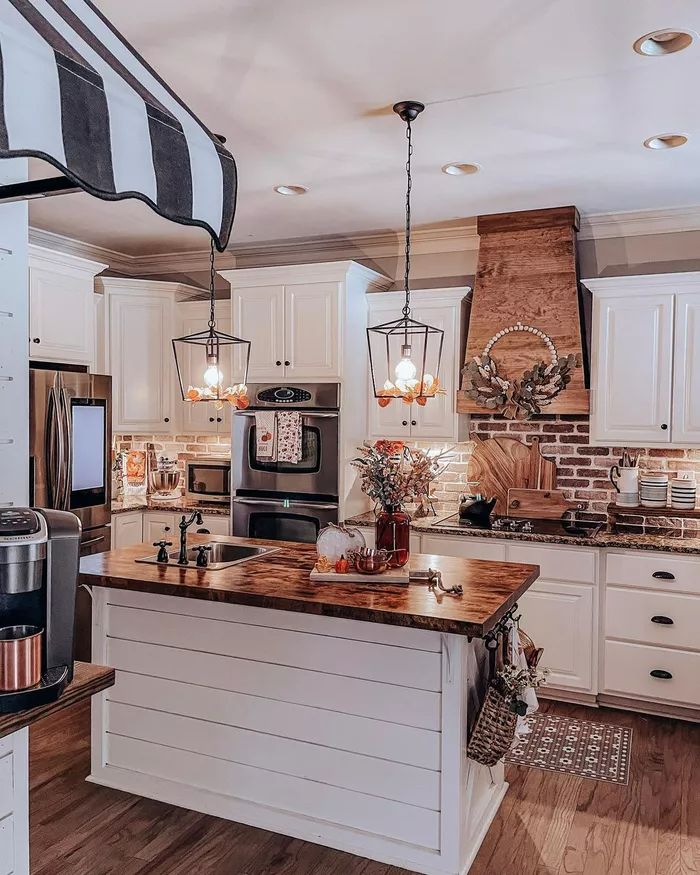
(336, 541)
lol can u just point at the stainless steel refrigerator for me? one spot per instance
(70, 447)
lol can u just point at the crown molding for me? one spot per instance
(59, 243)
(193, 261)
(638, 223)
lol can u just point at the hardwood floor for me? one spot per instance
(549, 824)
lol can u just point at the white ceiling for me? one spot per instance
(546, 95)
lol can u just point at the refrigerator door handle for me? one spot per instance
(54, 448)
(67, 468)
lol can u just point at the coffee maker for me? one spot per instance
(39, 558)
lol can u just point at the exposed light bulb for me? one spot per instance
(405, 370)
(213, 377)
(428, 380)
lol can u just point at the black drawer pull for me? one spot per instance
(663, 575)
(661, 673)
(662, 621)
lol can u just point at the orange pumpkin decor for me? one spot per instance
(408, 394)
(342, 566)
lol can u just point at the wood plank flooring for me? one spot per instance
(549, 824)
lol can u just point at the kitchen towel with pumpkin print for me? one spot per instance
(265, 436)
(289, 436)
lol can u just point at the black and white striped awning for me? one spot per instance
(75, 93)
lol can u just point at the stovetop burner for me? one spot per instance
(575, 528)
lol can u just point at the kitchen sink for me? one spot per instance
(220, 555)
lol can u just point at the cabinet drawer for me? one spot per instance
(629, 613)
(7, 846)
(636, 569)
(563, 563)
(628, 670)
(463, 547)
(6, 786)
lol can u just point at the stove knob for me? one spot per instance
(527, 527)
(513, 525)
(497, 524)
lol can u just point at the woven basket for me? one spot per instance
(493, 731)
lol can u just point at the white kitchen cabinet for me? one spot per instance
(61, 307)
(686, 376)
(140, 325)
(14, 804)
(438, 419)
(201, 418)
(559, 617)
(127, 529)
(300, 318)
(490, 549)
(645, 360)
(160, 526)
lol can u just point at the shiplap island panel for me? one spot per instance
(336, 714)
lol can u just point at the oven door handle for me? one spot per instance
(316, 414)
(280, 503)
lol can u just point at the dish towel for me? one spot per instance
(265, 436)
(289, 436)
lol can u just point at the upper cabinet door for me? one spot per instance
(61, 317)
(632, 369)
(258, 316)
(686, 386)
(438, 419)
(141, 362)
(312, 340)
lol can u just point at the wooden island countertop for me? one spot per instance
(281, 581)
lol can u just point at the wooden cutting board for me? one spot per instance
(391, 575)
(502, 463)
(547, 504)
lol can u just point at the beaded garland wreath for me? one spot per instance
(523, 398)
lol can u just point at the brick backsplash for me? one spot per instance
(179, 446)
(582, 470)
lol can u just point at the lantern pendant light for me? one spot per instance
(405, 354)
(212, 366)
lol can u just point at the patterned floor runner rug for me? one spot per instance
(575, 747)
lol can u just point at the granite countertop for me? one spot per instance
(280, 581)
(87, 680)
(175, 505)
(669, 543)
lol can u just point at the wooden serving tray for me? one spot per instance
(391, 575)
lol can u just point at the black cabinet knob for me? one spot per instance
(36, 340)
(661, 674)
(405, 422)
(413, 422)
(278, 363)
(663, 575)
(167, 419)
(664, 426)
(219, 419)
(662, 621)
(287, 364)
(166, 528)
(211, 419)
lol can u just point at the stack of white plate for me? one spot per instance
(653, 489)
(683, 494)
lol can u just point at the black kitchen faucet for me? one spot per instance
(184, 524)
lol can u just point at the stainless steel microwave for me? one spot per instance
(208, 479)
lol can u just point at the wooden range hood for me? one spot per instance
(528, 272)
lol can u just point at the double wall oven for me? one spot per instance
(288, 501)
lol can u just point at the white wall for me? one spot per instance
(14, 349)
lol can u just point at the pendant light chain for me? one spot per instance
(409, 184)
(212, 280)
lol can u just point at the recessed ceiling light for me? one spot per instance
(666, 141)
(663, 42)
(290, 190)
(460, 169)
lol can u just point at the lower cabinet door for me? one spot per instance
(212, 524)
(559, 617)
(127, 529)
(160, 526)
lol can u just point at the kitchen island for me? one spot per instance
(334, 713)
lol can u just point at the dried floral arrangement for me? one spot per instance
(512, 681)
(523, 398)
(392, 474)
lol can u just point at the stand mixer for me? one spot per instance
(163, 481)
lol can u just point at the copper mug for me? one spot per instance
(20, 657)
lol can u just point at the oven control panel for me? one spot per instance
(283, 395)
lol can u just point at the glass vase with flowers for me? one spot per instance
(392, 475)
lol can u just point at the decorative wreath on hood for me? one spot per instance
(523, 398)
